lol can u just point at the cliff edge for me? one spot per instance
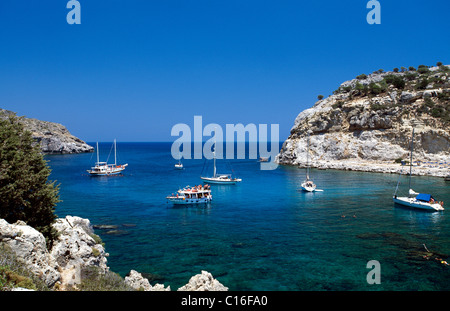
(53, 138)
(366, 125)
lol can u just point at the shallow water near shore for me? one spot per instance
(262, 234)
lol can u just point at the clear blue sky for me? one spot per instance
(133, 69)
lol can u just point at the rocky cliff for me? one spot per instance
(367, 124)
(76, 250)
(52, 137)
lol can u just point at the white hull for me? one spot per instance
(178, 166)
(309, 189)
(105, 169)
(108, 171)
(308, 186)
(413, 203)
(184, 201)
(222, 181)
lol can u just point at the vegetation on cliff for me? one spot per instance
(424, 78)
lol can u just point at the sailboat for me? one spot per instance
(105, 169)
(416, 200)
(179, 165)
(308, 184)
(223, 179)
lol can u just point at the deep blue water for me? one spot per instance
(262, 234)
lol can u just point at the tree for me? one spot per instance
(361, 76)
(25, 192)
(439, 64)
(320, 97)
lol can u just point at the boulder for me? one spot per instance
(203, 282)
(76, 248)
(135, 280)
(30, 247)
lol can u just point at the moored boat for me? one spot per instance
(105, 169)
(200, 194)
(416, 200)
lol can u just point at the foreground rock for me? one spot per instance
(29, 246)
(367, 124)
(135, 280)
(77, 248)
(74, 250)
(203, 282)
(53, 138)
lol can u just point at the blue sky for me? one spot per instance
(134, 69)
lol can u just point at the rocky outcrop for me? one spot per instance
(77, 248)
(74, 249)
(203, 282)
(135, 280)
(53, 138)
(367, 125)
(30, 247)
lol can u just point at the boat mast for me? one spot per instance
(307, 158)
(97, 154)
(410, 159)
(214, 154)
(115, 153)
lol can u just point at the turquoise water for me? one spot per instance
(262, 234)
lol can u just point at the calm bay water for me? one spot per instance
(262, 234)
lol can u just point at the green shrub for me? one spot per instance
(14, 274)
(423, 69)
(320, 97)
(25, 192)
(422, 84)
(93, 280)
(428, 102)
(338, 104)
(361, 77)
(397, 81)
(410, 76)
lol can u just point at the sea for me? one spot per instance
(262, 234)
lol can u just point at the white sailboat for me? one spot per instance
(105, 169)
(179, 165)
(308, 184)
(416, 200)
(223, 179)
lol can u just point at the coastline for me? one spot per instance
(433, 169)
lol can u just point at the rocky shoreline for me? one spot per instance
(53, 138)
(76, 249)
(435, 169)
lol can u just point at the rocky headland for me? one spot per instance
(366, 125)
(53, 138)
(77, 252)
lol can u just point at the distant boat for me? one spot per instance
(179, 165)
(416, 200)
(105, 169)
(223, 179)
(200, 194)
(308, 184)
(447, 178)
